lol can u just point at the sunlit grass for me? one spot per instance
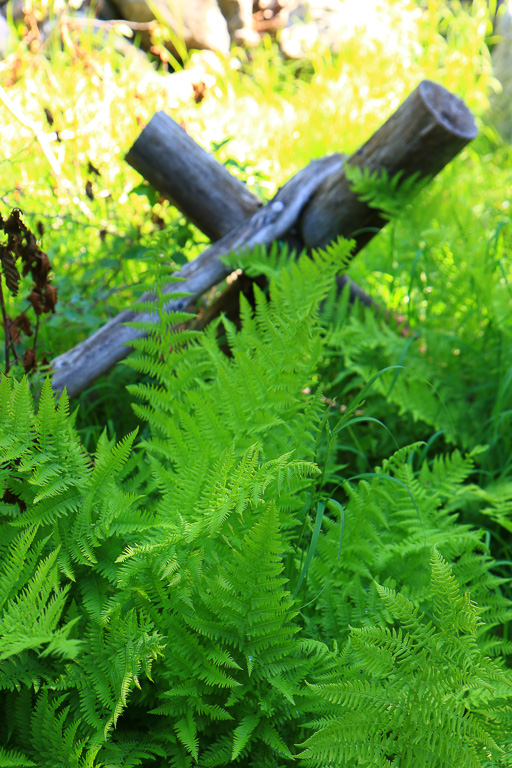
(280, 117)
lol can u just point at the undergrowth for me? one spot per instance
(299, 550)
(147, 606)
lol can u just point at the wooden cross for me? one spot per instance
(427, 131)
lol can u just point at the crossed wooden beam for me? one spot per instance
(427, 131)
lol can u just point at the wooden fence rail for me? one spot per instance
(427, 131)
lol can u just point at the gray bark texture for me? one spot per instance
(191, 178)
(425, 133)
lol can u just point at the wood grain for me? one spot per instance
(427, 131)
(422, 136)
(191, 178)
(80, 366)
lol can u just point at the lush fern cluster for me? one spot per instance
(449, 277)
(224, 592)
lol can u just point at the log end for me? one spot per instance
(448, 110)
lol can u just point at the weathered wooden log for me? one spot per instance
(166, 156)
(425, 133)
(80, 366)
(191, 178)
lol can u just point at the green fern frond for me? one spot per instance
(160, 597)
(411, 693)
(14, 759)
(47, 417)
(445, 473)
(187, 733)
(378, 190)
(265, 260)
(242, 734)
(116, 655)
(128, 751)
(21, 413)
(30, 619)
(497, 503)
(18, 562)
(108, 462)
(54, 735)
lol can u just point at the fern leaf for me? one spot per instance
(186, 732)
(14, 759)
(242, 734)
